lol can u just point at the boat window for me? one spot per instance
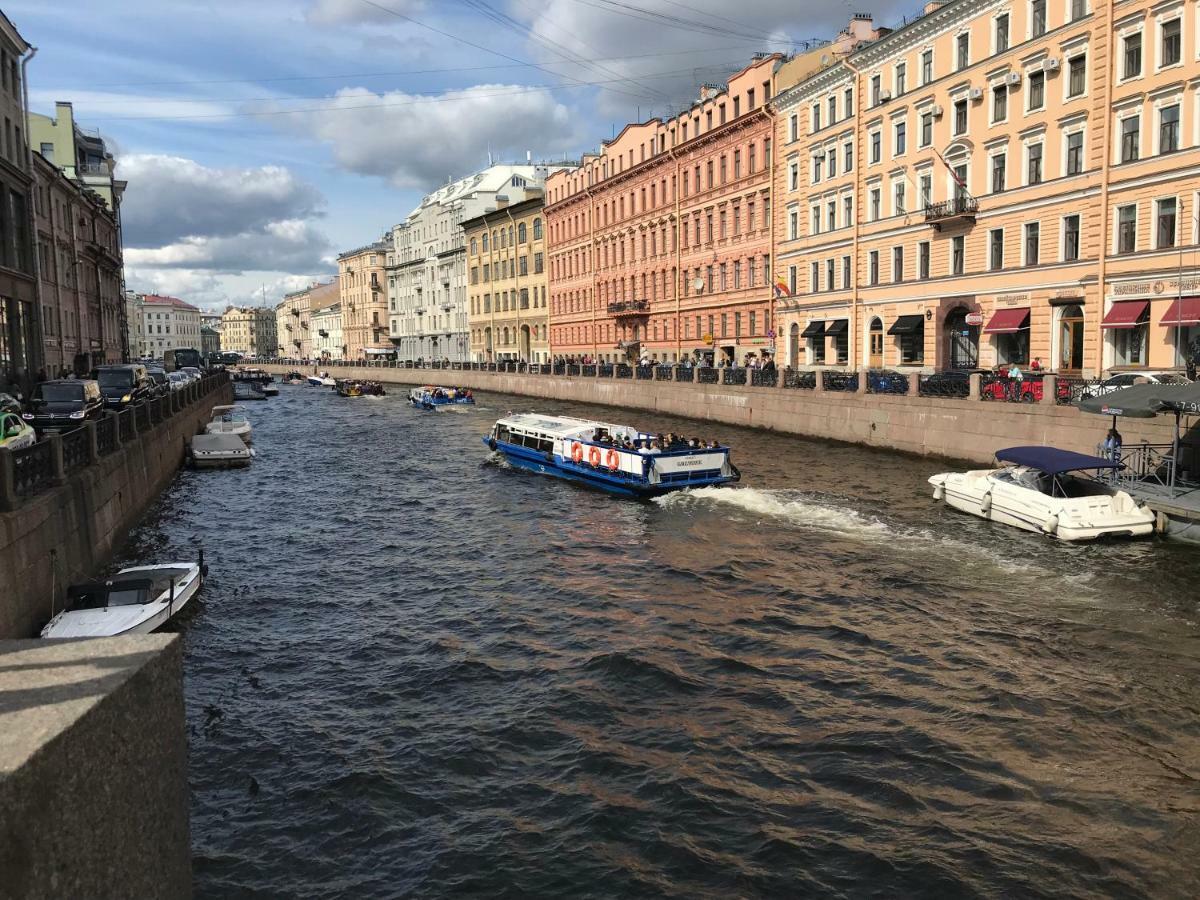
(128, 597)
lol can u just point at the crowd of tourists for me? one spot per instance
(660, 443)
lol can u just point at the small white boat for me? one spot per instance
(230, 420)
(1047, 490)
(270, 388)
(136, 600)
(322, 380)
(220, 451)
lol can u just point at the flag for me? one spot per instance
(781, 289)
(962, 184)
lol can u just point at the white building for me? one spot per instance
(427, 266)
(167, 323)
(328, 340)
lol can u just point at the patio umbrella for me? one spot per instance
(1145, 401)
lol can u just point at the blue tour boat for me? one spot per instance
(432, 397)
(593, 453)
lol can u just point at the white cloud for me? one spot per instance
(287, 245)
(356, 12)
(418, 141)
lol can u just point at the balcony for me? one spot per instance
(957, 209)
(629, 308)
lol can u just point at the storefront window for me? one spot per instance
(1070, 339)
(1013, 348)
(816, 346)
(841, 346)
(1129, 344)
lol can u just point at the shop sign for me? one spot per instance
(1164, 287)
(1012, 299)
(974, 318)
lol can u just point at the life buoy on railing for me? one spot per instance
(577, 452)
(611, 460)
(985, 505)
(594, 457)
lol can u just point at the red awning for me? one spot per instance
(1008, 321)
(1125, 313)
(1183, 312)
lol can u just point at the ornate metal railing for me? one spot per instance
(33, 469)
(683, 373)
(573, 369)
(846, 382)
(624, 371)
(880, 382)
(125, 419)
(1072, 389)
(644, 373)
(76, 449)
(764, 377)
(606, 370)
(804, 381)
(707, 375)
(106, 435)
(939, 385)
(141, 413)
(589, 370)
(1027, 389)
(664, 373)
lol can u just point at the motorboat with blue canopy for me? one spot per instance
(618, 459)
(432, 396)
(1047, 490)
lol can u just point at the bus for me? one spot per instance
(174, 360)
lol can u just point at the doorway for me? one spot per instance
(794, 347)
(875, 351)
(1070, 339)
(963, 340)
(523, 349)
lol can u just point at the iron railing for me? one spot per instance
(624, 371)
(588, 370)
(881, 382)
(76, 449)
(804, 381)
(33, 469)
(707, 375)
(106, 435)
(764, 377)
(939, 385)
(644, 373)
(683, 373)
(1072, 389)
(1027, 389)
(734, 376)
(125, 419)
(606, 370)
(846, 382)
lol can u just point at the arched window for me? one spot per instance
(1070, 338)
(485, 242)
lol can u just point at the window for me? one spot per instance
(962, 47)
(1070, 238)
(1037, 18)
(897, 264)
(1168, 129)
(875, 90)
(832, 110)
(996, 249)
(873, 267)
(814, 277)
(816, 117)
(847, 156)
(1165, 223)
(1002, 33)
(898, 198)
(926, 66)
(846, 272)
(876, 146)
(793, 176)
(957, 254)
(925, 186)
(538, 264)
(831, 215)
(1000, 103)
(1133, 55)
(1171, 43)
(926, 129)
(1129, 344)
(1033, 236)
(793, 225)
(818, 165)
(999, 172)
(1077, 77)
(829, 285)
(832, 161)
(1034, 169)
(793, 128)
(1075, 153)
(901, 78)
(1131, 134)
(901, 137)
(1127, 229)
(1078, 9)
(847, 211)
(1037, 90)
(923, 260)
(960, 116)
(875, 204)
(848, 105)
(816, 219)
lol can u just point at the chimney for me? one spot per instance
(501, 201)
(529, 157)
(933, 6)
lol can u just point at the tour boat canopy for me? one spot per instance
(1054, 461)
(562, 427)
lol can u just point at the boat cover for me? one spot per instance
(1053, 461)
(1145, 401)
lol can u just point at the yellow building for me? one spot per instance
(363, 296)
(994, 184)
(506, 283)
(293, 319)
(249, 330)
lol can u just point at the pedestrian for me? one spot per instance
(1112, 445)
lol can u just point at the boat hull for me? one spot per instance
(156, 615)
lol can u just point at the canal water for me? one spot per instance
(416, 672)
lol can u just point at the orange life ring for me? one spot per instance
(611, 459)
(577, 452)
(594, 457)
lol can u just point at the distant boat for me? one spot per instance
(322, 380)
(432, 397)
(248, 390)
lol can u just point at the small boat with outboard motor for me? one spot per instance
(1057, 492)
(229, 420)
(618, 459)
(136, 600)
(322, 380)
(431, 396)
(248, 390)
(352, 387)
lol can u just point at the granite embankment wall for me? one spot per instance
(66, 532)
(93, 769)
(962, 429)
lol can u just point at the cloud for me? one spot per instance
(288, 245)
(171, 198)
(356, 12)
(417, 141)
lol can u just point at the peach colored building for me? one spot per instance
(996, 183)
(362, 292)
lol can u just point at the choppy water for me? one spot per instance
(416, 672)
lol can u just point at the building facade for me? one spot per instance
(83, 320)
(167, 323)
(249, 330)
(329, 340)
(427, 267)
(81, 154)
(996, 184)
(508, 312)
(20, 337)
(210, 339)
(362, 292)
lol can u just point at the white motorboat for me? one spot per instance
(322, 380)
(1047, 490)
(220, 451)
(136, 600)
(230, 420)
(270, 388)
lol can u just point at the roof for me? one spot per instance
(514, 209)
(560, 426)
(1053, 461)
(161, 300)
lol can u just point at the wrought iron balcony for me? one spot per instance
(629, 308)
(948, 211)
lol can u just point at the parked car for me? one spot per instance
(192, 372)
(178, 381)
(1129, 379)
(64, 404)
(121, 385)
(162, 385)
(15, 433)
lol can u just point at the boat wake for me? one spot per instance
(790, 505)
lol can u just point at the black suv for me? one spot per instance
(122, 385)
(162, 384)
(64, 404)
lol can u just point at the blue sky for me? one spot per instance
(261, 138)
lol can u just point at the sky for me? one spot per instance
(260, 138)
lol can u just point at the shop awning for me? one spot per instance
(813, 329)
(1008, 321)
(1184, 311)
(838, 326)
(907, 325)
(1125, 314)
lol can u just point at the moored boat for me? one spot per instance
(614, 458)
(432, 396)
(136, 600)
(293, 378)
(1047, 490)
(219, 451)
(248, 390)
(230, 420)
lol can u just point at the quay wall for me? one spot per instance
(65, 533)
(93, 769)
(962, 429)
